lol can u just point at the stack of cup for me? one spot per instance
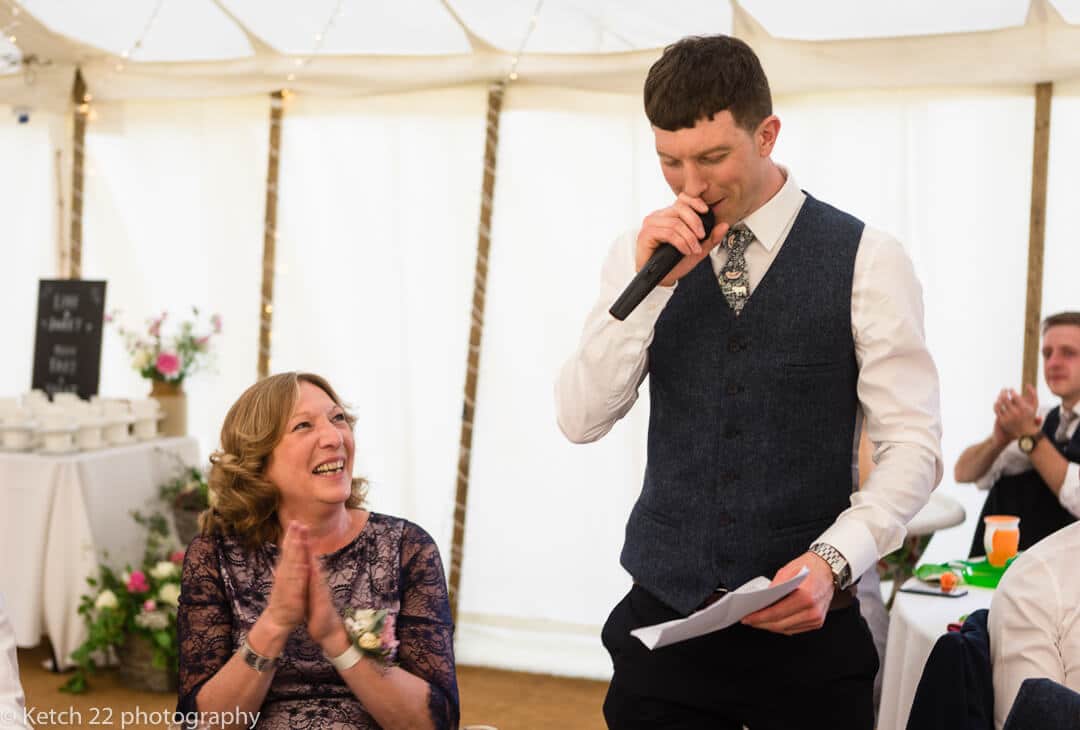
(118, 420)
(147, 413)
(16, 426)
(56, 429)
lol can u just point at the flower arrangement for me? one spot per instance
(188, 494)
(135, 603)
(169, 359)
(373, 633)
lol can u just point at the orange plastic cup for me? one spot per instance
(1001, 538)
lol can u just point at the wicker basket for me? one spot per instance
(187, 524)
(137, 670)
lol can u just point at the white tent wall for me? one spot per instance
(172, 218)
(378, 207)
(28, 242)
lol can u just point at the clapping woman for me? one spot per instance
(286, 560)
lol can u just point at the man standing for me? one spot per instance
(1031, 460)
(762, 361)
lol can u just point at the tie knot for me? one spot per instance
(738, 238)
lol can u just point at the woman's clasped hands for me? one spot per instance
(300, 592)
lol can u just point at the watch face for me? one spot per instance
(1026, 444)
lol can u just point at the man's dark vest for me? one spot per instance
(751, 427)
(1027, 496)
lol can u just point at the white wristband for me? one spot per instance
(347, 658)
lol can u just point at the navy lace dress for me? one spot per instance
(391, 564)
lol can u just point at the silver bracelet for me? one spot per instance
(254, 659)
(346, 659)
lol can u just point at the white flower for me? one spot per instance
(169, 593)
(141, 359)
(365, 617)
(164, 569)
(106, 599)
(153, 620)
(125, 577)
(369, 641)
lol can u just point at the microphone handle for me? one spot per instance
(659, 265)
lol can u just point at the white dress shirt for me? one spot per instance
(1014, 461)
(897, 385)
(12, 712)
(1035, 619)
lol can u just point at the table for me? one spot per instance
(59, 514)
(915, 623)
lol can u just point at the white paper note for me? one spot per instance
(749, 597)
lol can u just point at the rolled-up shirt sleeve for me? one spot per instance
(599, 383)
(899, 394)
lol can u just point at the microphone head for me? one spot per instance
(708, 220)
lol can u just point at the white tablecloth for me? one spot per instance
(915, 623)
(58, 514)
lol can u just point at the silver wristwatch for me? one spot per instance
(254, 659)
(841, 571)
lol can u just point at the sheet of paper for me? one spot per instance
(744, 600)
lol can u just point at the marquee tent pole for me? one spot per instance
(266, 300)
(82, 109)
(476, 331)
(1044, 92)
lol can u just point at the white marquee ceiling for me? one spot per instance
(183, 48)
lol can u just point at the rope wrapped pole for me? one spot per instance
(476, 331)
(1044, 92)
(266, 299)
(78, 98)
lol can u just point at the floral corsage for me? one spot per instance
(372, 632)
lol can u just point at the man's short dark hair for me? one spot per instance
(1054, 320)
(700, 76)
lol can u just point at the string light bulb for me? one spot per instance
(320, 39)
(512, 75)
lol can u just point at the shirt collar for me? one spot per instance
(772, 220)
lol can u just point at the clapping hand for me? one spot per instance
(1016, 413)
(288, 602)
(323, 621)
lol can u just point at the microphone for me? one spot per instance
(659, 265)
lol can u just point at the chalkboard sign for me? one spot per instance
(67, 336)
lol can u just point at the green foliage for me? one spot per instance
(188, 490)
(139, 602)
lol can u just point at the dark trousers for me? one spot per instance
(739, 676)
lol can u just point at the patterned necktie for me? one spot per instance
(1062, 435)
(734, 282)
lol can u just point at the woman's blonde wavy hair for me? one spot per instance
(242, 502)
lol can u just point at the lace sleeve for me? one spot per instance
(203, 621)
(425, 629)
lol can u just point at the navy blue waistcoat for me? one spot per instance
(751, 429)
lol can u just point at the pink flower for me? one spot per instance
(155, 326)
(137, 582)
(388, 638)
(200, 342)
(149, 605)
(168, 364)
(177, 557)
(215, 322)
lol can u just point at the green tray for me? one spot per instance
(974, 572)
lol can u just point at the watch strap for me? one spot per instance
(841, 569)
